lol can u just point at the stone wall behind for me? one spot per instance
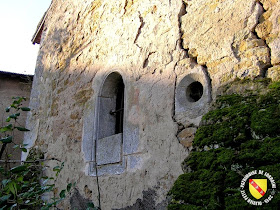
(159, 47)
(14, 85)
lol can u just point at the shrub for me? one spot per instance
(23, 186)
(241, 133)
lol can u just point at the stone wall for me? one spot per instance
(172, 57)
(14, 85)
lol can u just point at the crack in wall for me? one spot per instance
(174, 94)
(146, 61)
(252, 12)
(264, 69)
(235, 50)
(137, 45)
(140, 28)
(267, 66)
(125, 5)
(182, 12)
(185, 132)
(179, 43)
(262, 63)
(240, 54)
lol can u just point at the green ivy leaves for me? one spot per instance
(7, 139)
(6, 128)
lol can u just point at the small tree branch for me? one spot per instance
(3, 149)
(33, 161)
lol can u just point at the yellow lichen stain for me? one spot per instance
(96, 16)
(154, 9)
(213, 6)
(263, 29)
(272, 37)
(278, 19)
(274, 73)
(95, 5)
(275, 68)
(61, 62)
(265, 16)
(249, 44)
(66, 82)
(243, 65)
(82, 96)
(186, 62)
(61, 65)
(130, 7)
(193, 53)
(268, 4)
(53, 85)
(115, 10)
(75, 116)
(151, 10)
(128, 4)
(63, 87)
(214, 67)
(216, 63)
(226, 77)
(60, 90)
(243, 45)
(260, 52)
(54, 107)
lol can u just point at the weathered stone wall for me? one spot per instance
(159, 48)
(233, 38)
(14, 85)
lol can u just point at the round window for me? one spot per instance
(194, 91)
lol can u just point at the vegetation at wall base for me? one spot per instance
(241, 133)
(24, 185)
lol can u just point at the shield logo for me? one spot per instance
(257, 187)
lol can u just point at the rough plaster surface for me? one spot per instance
(153, 45)
(14, 85)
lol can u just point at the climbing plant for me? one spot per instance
(24, 185)
(241, 133)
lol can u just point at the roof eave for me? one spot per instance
(36, 39)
